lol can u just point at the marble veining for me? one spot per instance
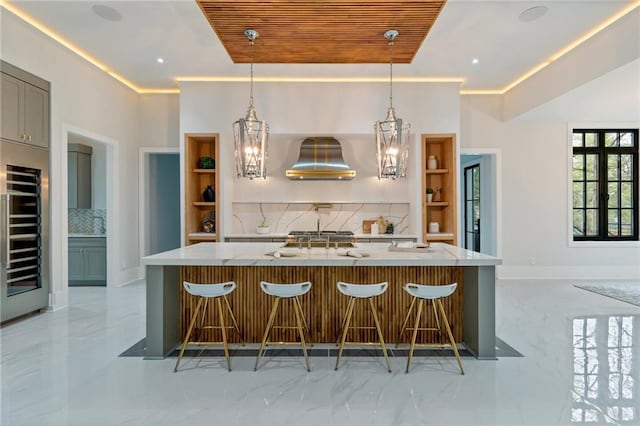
(62, 369)
(261, 254)
(285, 217)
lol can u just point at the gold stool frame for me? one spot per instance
(437, 304)
(222, 327)
(301, 322)
(346, 324)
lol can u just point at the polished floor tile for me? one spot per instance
(580, 364)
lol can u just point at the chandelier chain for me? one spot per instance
(391, 73)
(251, 42)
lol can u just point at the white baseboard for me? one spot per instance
(568, 272)
(130, 276)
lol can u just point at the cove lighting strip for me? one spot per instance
(75, 49)
(49, 32)
(560, 53)
(200, 79)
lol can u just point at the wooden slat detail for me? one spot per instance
(334, 31)
(324, 305)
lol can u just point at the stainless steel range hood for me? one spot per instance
(320, 159)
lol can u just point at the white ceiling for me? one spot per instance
(178, 32)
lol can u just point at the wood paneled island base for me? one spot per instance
(471, 309)
(323, 306)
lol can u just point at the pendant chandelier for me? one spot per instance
(250, 134)
(392, 134)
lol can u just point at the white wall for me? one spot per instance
(535, 179)
(296, 110)
(85, 98)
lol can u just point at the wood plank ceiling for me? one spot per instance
(314, 32)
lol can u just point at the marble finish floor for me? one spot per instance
(581, 364)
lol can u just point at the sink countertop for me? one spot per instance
(87, 236)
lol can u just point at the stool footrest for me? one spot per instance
(362, 344)
(205, 343)
(284, 326)
(283, 343)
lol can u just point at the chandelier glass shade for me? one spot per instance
(250, 135)
(392, 134)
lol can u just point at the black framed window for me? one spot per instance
(605, 184)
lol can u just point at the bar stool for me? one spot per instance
(204, 292)
(422, 293)
(291, 292)
(361, 291)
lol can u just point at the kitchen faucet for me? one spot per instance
(102, 228)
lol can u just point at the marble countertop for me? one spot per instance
(259, 254)
(87, 236)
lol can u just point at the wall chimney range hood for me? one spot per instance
(320, 159)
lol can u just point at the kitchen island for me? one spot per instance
(471, 309)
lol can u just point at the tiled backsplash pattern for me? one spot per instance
(87, 221)
(285, 217)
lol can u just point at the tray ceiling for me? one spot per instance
(316, 32)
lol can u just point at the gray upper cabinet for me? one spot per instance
(25, 107)
(79, 172)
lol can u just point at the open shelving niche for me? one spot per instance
(444, 211)
(198, 145)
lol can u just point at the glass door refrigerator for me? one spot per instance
(24, 229)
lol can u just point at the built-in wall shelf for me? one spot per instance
(208, 236)
(440, 236)
(442, 149)
(196, 146)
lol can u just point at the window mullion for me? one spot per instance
(603, 205)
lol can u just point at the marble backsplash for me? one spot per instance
(87, 221)
(285, 217)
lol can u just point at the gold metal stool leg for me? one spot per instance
(267, 330)
(384, 347)
(453, 342)
(349, 312)
(406, 320)
(233, 319)
(415, 334)
(296, 302)
(298, 312)
(224, 335)
(344, 319)
(189, 330)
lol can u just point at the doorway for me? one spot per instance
(471, 193)
(480, 198)
(160, 200)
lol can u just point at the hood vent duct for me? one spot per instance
(320, 159)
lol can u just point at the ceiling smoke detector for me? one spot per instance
(533, 13)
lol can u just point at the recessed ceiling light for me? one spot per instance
(106, 12)
(533, 13)
(160, 60)
(475, 61)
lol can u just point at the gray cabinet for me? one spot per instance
(25, 107)
(79, 176)
(87, 261)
